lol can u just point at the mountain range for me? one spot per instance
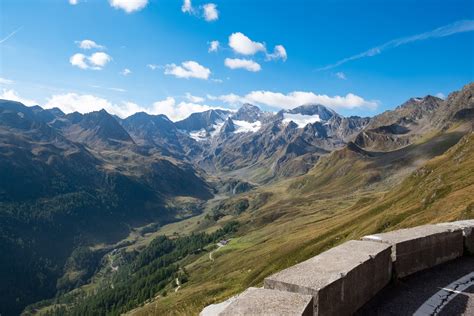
(70, 182)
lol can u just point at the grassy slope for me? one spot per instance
(342, 198)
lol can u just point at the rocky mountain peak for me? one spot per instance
(97, 126)
(314, 109)
(249, 113)
(228, 126)
(203, 120)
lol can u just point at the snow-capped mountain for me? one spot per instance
(263, 144)
(204, 125)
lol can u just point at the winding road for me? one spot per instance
(219, 246)
(178, 285)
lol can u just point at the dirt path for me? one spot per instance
(219, 246)
(178, 284)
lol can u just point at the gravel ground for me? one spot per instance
(406, 295)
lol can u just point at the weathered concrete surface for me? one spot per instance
(267, 302)
(421, 247)
(467, 228)
(216, 309)
(341, 279)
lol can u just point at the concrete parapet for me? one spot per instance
(344, 278)
(421, 247)
(256, 301)
(467, 228)
(341, 279)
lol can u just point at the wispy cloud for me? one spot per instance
(6, 81)
(125, 72)
(341, 75)
(89, 44)
(10, 35)
(154, 66)
(209, 10)
(443, 31)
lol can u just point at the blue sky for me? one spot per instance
(359, 57)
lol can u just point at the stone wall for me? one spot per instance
(341, 280)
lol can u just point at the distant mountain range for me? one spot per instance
(73, 180)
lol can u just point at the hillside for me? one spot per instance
(78, 185)
(296, 224)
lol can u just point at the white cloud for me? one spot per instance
(72, 102)
(279, 52)
(99, 59)
(241, 44)
(210, 12)
(126, 72)
(341, 75)
(153, 66)
(247, 64)
(213, 46)
(79, 60)
(128, 6)
(6, 81)
(193, 98)
(297, 98)
(89, 44)
(73, 2)
(440, 95)
(187, 7)
(447, 30)
(95, 61)
(14, 96)
(188, 69)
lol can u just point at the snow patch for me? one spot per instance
(300, 119)
(202, 135)
(246, 127)
(217, 128)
